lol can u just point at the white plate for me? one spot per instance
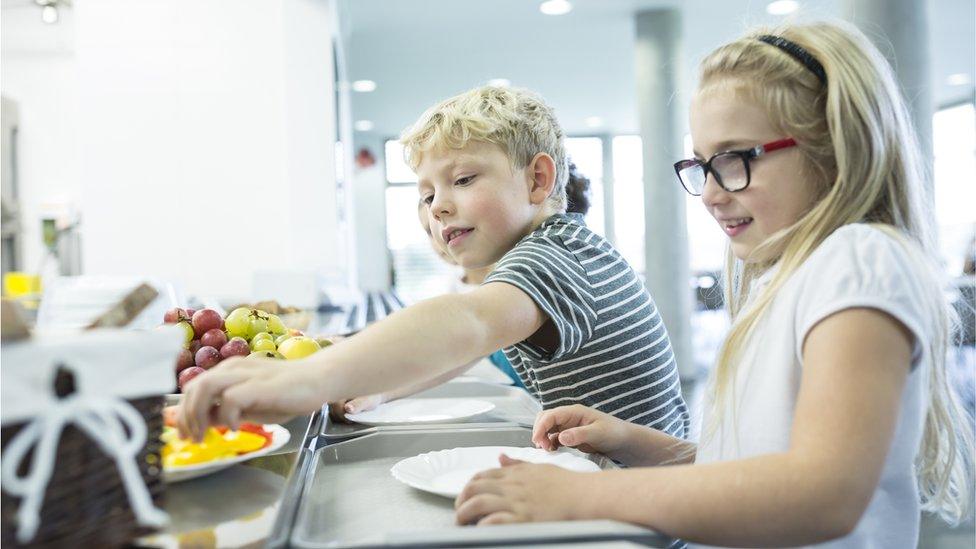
(279, 437)
(447, 471)
(420, 411)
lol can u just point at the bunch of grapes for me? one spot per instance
(209, 339)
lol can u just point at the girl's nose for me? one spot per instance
(712, 193)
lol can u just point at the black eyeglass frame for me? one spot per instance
(745, 155)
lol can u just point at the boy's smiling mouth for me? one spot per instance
(452, 234)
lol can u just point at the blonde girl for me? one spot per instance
(829, 417)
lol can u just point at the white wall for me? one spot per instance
(38, 72)
(203, 134)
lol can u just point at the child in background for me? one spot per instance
(573, 317)
(829, 417)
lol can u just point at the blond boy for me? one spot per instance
(573, 317)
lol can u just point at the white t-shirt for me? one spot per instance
(857, 266)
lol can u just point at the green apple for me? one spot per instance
(298, 347)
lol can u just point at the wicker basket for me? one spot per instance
(85, 504)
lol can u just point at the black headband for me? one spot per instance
(797, 52)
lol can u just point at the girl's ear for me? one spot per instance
(541, 173)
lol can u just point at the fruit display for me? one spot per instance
(246, 332)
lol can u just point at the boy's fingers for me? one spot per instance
(201, 395)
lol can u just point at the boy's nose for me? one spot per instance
(441, 208)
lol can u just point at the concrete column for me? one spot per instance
(658, 58)
(899, 28)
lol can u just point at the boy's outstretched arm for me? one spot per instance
(408, 347)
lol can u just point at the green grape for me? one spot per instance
(236, 322)
(256, 324)
(187, 332)
(262, 335)
(263, 345)
(278, 340)
(276, 326)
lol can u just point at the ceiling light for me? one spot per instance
(500, 82)
(782, 7)
(556, 7)
(958, 79)
(363, 85)
(49, 14)
(593, 121)
(363, 125)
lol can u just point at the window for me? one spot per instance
(707, 242)
(954, 146)
(587, 154)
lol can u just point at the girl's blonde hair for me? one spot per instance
(858, 143)
(517, 120)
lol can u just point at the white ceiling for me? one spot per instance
(422, 51)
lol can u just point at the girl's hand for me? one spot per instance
(522, 492)
(338, 410)
(249, 389)
(579, 427)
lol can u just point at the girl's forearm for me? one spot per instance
(647, 447)
(770, 501)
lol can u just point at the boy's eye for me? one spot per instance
(464, 180)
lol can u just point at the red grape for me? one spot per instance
(214, 337)
(183, 360)
(190, 312)
(207, 357)
(187, 375)
(206, 319)
(237, 346)
(174, 315)
(194, 346)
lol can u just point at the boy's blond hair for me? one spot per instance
(516, 120)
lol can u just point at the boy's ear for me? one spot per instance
(541, 173)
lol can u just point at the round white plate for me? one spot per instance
(419, 411)
(279, 437)
(447, 471)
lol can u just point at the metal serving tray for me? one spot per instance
(350, 499)
(513, 405)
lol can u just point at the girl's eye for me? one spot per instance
(428, 199)
(464, 180)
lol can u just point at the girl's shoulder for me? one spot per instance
(867, 250)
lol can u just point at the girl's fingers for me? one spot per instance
(506, 461)
(501, 517)
(475, 488)
(482, 505)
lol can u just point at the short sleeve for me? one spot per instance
(551, 275)
(860, 266)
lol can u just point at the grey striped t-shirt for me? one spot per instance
(613, 352)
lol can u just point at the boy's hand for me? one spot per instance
(249, 389)
(338, 410)
(522, 492)
(579, 427)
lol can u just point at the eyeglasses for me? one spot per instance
(730, 168)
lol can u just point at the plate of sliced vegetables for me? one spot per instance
(220, 448)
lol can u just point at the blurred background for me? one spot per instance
(245, 150)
